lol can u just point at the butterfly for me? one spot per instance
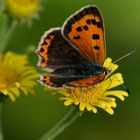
(75, 53)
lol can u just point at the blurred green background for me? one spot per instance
(31, 116)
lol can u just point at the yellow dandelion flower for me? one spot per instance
(16, 75)
(24, 10)
(100, 95)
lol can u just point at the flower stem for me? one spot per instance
(7, 36)
(1, 133)
(61, 125)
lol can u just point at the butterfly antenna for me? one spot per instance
(124, 56)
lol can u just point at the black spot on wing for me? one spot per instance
(76, 37)
(93, 21)
(96, 47)
(78, 15)
(79, 29)
(88, 21)
(85, 27)
(98, 24)
(41, 50)
(95, 36)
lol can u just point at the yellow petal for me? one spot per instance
(94, 110)
(12, 96)
(88, 107)
(108, 99)
(62, 91)
(112, 68)
(113, 104)
(76, 102)
(112, 81)
(100, 104)
(109, 65)
(91, 108)
(109, 110)
(64, 98)
(15, 91)
(107, 62)
(117, 93)
(5, 92)
(68, 102)
(17, 84)
(82, 106)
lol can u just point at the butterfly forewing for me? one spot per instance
(85, 31)
(55, 52)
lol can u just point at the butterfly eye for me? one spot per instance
(106, 71)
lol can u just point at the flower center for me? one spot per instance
(8, 76)
(89, 95)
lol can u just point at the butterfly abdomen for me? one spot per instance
(80, 71)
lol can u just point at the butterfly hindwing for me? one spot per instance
(85, 31)
(55, 52)
(76, 76)
(55, 81)
(58, 82)
(87, 81)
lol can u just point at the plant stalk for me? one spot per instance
(72, 115)
(1, 132)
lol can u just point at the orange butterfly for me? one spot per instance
(75, 52)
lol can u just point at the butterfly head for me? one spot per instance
(106, 71)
